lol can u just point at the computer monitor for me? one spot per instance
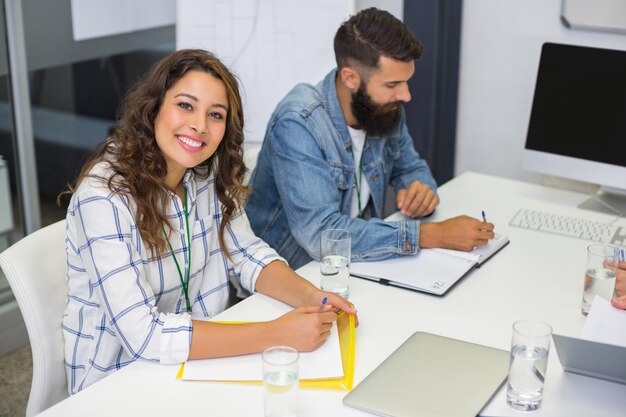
(577, 127)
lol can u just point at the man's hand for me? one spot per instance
(460, 233)
(416, 200)
(619, 301)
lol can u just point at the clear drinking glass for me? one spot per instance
(599, 275)
(280, 381)
(335, 265)
(528, 362)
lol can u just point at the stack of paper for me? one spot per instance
(605, 324)
(331, 366)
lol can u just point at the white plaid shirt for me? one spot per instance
(123, 304)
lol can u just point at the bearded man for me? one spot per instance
(331, 150)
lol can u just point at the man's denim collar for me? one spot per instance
(331, 103)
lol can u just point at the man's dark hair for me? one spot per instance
(363, 38)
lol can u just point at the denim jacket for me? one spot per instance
(305, 178)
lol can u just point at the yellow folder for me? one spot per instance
(345, 328)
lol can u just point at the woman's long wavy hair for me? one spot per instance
(137, 163)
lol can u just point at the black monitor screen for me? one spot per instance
(579, 107)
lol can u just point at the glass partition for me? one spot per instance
(9, 209)
(73, 92)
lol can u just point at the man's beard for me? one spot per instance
(375, 119)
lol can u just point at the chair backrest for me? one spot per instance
(36, 270)
(250, 155)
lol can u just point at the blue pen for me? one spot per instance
(622, 258)
(324, 301)
(484, 217)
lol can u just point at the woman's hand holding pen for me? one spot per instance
(307, 328)
(304, 328)
(338, 303)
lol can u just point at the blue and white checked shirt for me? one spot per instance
(123, 304)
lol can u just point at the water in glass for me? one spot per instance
(280, 390)
(598, 281)
(526, 377)
(335, 272)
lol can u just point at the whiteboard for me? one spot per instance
(605, 15)
(97, 18)
(271, 45)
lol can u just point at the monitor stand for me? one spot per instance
(607, 200)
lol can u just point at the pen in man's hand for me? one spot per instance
(484, 217)
(622, 258)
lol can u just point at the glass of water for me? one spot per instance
(528, 362)
(335, 265)
(280, 381)
(599, 275)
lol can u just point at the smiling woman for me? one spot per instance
(155, 225)
(184, 87)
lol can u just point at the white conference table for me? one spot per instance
(537, 276)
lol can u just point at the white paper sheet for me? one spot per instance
(323, 363)
(605, 323)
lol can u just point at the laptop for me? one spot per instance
(594, 359)
(432, 375)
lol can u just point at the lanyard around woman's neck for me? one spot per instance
(183, 282)
(358, 180)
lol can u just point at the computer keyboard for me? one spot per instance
(570, 226)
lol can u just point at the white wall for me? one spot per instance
(268, 44)
(500, 48)
(395, 7)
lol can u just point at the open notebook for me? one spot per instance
(433, 271)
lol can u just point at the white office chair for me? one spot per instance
(250, 155)
(36, 268)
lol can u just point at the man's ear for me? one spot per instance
(350, 78)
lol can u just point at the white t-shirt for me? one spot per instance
(358, 141)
